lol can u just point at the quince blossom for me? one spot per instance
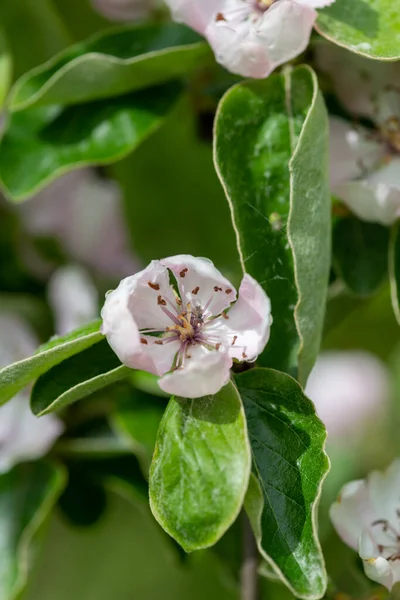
(365, 163)
(367, 518)
(188, 337)
(124, 10)
(23, 437)
(251, 37)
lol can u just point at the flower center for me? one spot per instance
(387, 538)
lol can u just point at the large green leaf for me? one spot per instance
(287, 440)
(77, 377)
(360, 252)
(367, 27)
(394, 269)
(201, 467)
(111, 64)
(42, 143)
(16, 376)
(271, 153)
(27, 495)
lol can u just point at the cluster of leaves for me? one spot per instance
(257, 443)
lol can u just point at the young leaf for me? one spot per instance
(111, 64)
(394, 269)
(77, 377)
(16, 376)
(27, 495)
(360, 252)
(43, 143)
(287, 440)
(367, 27)
(271, 154)
(200, 468)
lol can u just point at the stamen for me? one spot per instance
(220, 17)
(154, 286)
(183, 272)
(218, 346)
(170, 315)
(161, 301)
(244, 354)
(159, 343)
(143, 341)
(217, 289)
(235, 337)
(228, 291)
(196, 290)
(224, 316)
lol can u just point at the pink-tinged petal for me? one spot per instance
(201, 283)
(156, 355)
(359, 82)
(352, 151)
(351, 513)
(120, 328)
(316, 3)
(204, 374)
(197, 14)
(124, 10)
(247, 328)
(375, 203)
(383, 488)
(73, 298)
(286, 29)
(24, 437)
(379, 570)
(241, 51)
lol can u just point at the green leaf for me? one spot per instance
(16, 376)
(287, 440)
(367, 27)
(27, 495)
(200, 468)
(111, 64)
(394, 269)
(360, 252)
(43, 143)
(271, 154)
(77, 377)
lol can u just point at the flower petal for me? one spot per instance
(204, 374)
(27, 437)
(248, 323)
(73, 298)
(197, 14)
(376, 203)
(351, 513)
(352, 151)
(123, 10)
(199, 282)
(316, 3)
(383, 488)
(255, 49)
(379, 570)
(156, 355)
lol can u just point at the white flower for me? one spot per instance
(251, 37)
(364, 175)
(367, 518)
(187, 338)
(124, 10)
(23, 437)
(73, 298)
(83, 211)
(349, 390)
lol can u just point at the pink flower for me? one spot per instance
(23, 437)
(189, 338)
(251, 37)
(124, 10)
(364, 175)
(366, 517)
